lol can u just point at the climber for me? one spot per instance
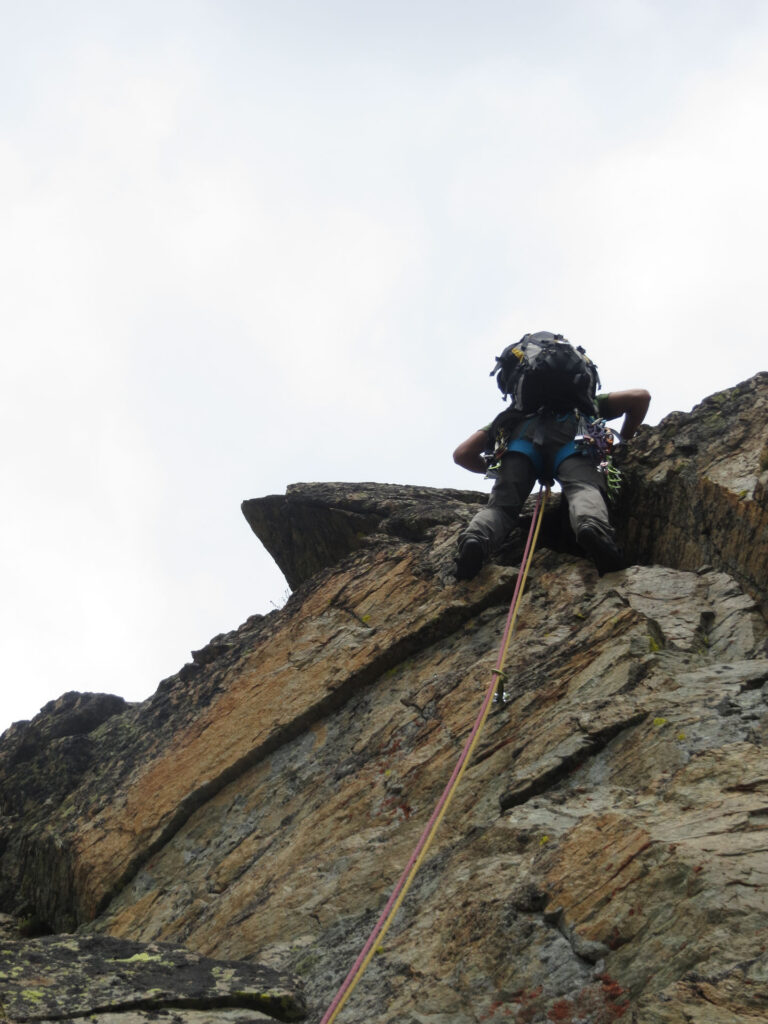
(540, 444)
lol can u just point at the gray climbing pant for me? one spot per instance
(583, 486)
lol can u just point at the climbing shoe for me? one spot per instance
(470, 560)
(603, 551)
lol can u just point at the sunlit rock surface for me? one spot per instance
(606, 856)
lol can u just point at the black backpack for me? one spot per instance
(544, 371)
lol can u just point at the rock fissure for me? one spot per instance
(588, 952)
(353, 615)
(591, 745)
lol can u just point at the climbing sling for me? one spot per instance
(420, 852)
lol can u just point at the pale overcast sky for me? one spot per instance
(246, 244)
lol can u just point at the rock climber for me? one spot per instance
(545, 449)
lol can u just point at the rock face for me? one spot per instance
(696, 488)
(606, 856)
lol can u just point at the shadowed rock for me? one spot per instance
(313, 526)
(696, 488)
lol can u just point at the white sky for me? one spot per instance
(245, 244)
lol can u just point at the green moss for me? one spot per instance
(32, 995)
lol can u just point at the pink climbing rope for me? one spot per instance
(420, 851)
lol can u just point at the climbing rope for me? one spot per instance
(420, 852)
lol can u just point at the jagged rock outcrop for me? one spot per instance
(45, 759)
(313, 526)
(696, 488)
(606, 856)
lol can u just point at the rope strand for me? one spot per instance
(420, 852)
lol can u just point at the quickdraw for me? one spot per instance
(597, 440)
(500, 696)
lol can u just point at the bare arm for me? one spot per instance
(469, 453)
(632, 405)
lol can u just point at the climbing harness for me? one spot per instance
(595, 440)
(420, 852)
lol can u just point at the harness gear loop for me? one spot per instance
(420, 851)
(597, 439)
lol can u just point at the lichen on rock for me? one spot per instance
(95, 977)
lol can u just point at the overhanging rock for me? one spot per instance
(315, 525)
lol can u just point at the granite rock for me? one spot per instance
(606, 854)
